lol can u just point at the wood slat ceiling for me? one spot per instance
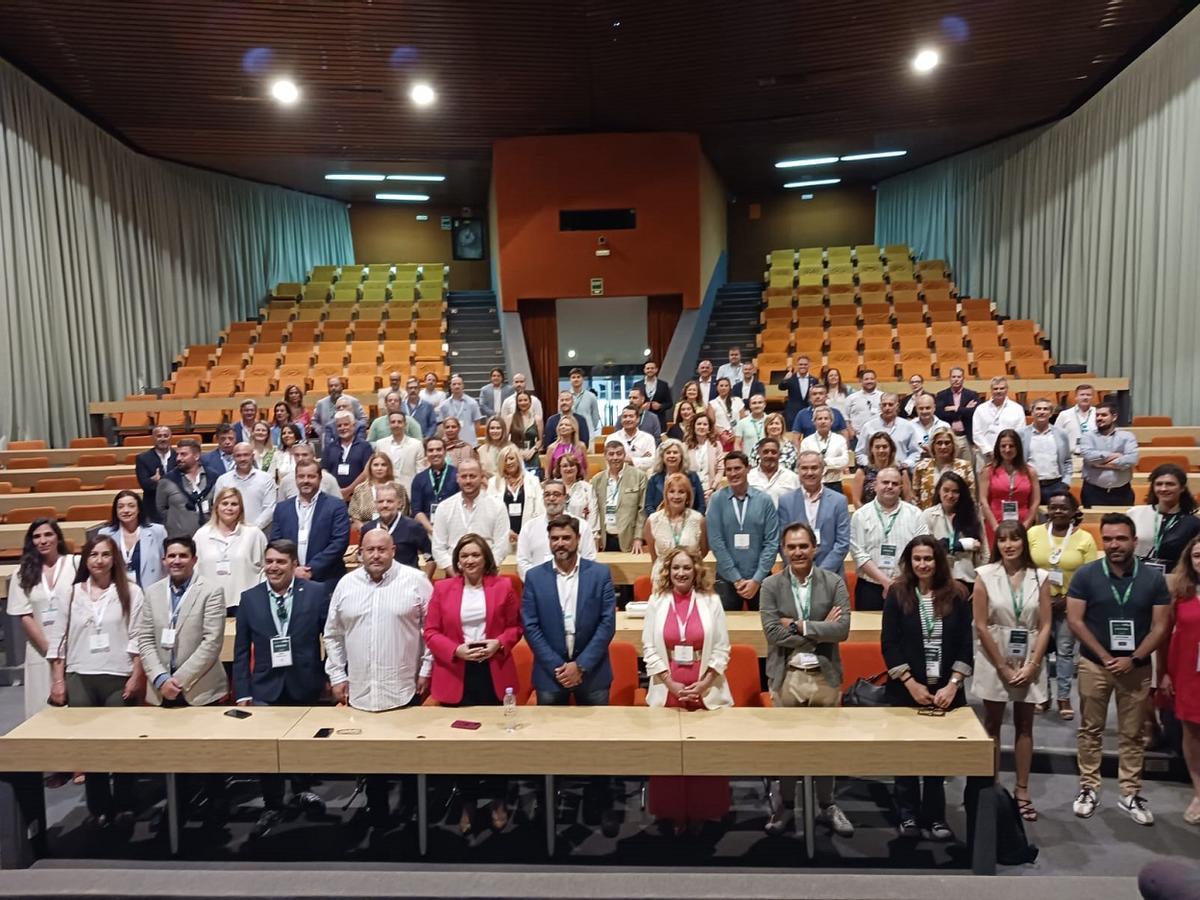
(758, 80)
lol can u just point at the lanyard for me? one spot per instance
(613, 488)
(739, 513)
(1057, 552)
(99, 609)
(1162, 525)
(437, 482)
(1012, 484)
(887, 529)
(682, 623)
(825, 449)
(52, 582)
(279, 609)
(1018, 596)
(759, 426)
(677, 533)
(801, 593)
(1121, 599)
(929, 621)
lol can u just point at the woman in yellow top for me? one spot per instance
(1061, 547)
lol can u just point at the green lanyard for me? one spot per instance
(930, 620)
(1018, 596)
(437, 485)
(801, 593)
(887, 529)
(1162, 524)
(1121, 599)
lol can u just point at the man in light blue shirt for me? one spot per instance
(584, 402)
(908, 450)
(743, 531)
(1109, 455)
(459, 406)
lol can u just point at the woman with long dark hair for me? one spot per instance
(1166, 522)
(953, 520)
(1178, 664)
(139, 541)
(928, 647)
(1009, 490)
(881, 454)
(38, 596)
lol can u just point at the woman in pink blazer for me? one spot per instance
(473, 623)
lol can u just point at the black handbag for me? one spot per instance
(868, 692)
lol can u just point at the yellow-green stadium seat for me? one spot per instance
(351, 272)
(289, 289)
(323, 274)
(316, 291)
(345, 291)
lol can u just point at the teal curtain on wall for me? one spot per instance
(111, 262)
(1091, 226)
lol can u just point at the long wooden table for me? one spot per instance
(60, 500)
(12, 537)
(86, 474)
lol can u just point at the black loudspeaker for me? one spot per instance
(1068, 369)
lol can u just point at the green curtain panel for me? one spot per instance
(1091, 226)
(111, 262)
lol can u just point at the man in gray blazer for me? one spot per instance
(1048, 450)
(493, 394)
(805, 613)
(830, 514)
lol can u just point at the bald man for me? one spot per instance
(256, 487)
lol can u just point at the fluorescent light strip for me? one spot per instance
(416, 178)
(404, 198)
(817, 183)
(811, 161)
(882, 154)
(338, 176)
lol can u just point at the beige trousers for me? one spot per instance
(1096, 686)
(807, 687)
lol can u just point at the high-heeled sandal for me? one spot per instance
(1025, 807)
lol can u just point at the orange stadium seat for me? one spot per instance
(976, 309)
(120, 483)
(27, 514)
(96, 459)
(86, 443)
(96, 512)
(1140, 421)
(57, 485)
(28, 462)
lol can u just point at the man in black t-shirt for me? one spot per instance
(1119, 610)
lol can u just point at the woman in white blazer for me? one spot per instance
(517, 489)
(139, 540)
(228, 551)
(685, 645)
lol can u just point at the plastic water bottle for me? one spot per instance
(510, 710)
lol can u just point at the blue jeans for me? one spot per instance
(1064, 655)
(562, 697)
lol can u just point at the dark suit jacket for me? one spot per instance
(654, 491)
(181, 512)
(942, 400)
(408, 537)
(305, 677)
(328, 536)
(902, 640)
(756, 387)
(145, 466)
(357, 459)
(662, 396)
(832, 526)
(243, 434)
(212, 460)
(595, 624)
(796, 400)
(710, 393)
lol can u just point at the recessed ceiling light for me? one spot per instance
(416, 178)
(403, 198)
(882, 154)
(926, 60)
(811, 161)
(814, 183)
(421, 217)
(351, 176)
(285, 91)
(422, 94)
(570, 354)
(806, 196)
(646, 352)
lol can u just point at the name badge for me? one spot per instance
(131, 572)
(684, 654)
(98, 643)
(1157, 565)
(933, 663)
(224, 567)
(205, 507)
(515, 509)
(1056, 577)
(167, 639)
(343, 468)
(432, 509)
(817, 535)
(568, 623)
(808, 661)
(281, 651)
(1018, 643)
(887, 557)
(610, 516)
(741, 541)
(1120, 634)
(48, 615)
(1008, 509)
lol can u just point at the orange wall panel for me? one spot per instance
(656, 174)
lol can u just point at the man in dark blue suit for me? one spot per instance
(280, 622)
(748, 385)
(317, 523)
(797, 383)
(831, 515)
(151, 465)
(220, 459)
(570, 615)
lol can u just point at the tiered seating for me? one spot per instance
(860, 307)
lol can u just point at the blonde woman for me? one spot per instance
(675, 523)
(517, 489)
(228, 551)
(261, 444)
(776, 427)
(672, 459)
(581, 498)
(704, 452)
(495, 439)
(685, 644)
(379, 472)
(566, 441)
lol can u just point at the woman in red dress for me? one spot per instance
(1179, 664)
(686, 649)
(1008, 486)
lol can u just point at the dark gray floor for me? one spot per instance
(1107, 845)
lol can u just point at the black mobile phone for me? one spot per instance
(237, 713)
(477, 645)
(463, 723)
(323, 732)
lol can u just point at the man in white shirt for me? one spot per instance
(768, 476)
(1048, 450)
(1080, 418)
(863, 404)
(879, 532)
(584, 402)
(406, 453)
(639, 446)
(908, 450)
(287, 484)
(924, 423)
(470, 511)
(533, 543)
(256, 487)
(708, 384)
(430, 393)
(509, 406)
(993, 417)
(394, 384)
(732, 369)
(459, 406)
(374, 653)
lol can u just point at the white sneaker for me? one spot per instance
(1138, 808)
(833, 816)
(1085, 803)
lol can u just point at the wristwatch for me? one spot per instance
(792, 629)
(1139, 661)
(956, 679)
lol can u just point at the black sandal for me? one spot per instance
(1025, 807)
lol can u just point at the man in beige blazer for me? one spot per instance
(805, 612)
(621, 493)
(183, 627)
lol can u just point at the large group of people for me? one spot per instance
(964, 534)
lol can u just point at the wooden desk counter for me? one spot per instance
(12, 537)
(566, 740)
(746, 628)
(148, 739)
(841, 741)
(86, 474)
(61, 501)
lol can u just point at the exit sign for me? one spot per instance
(597, 287)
